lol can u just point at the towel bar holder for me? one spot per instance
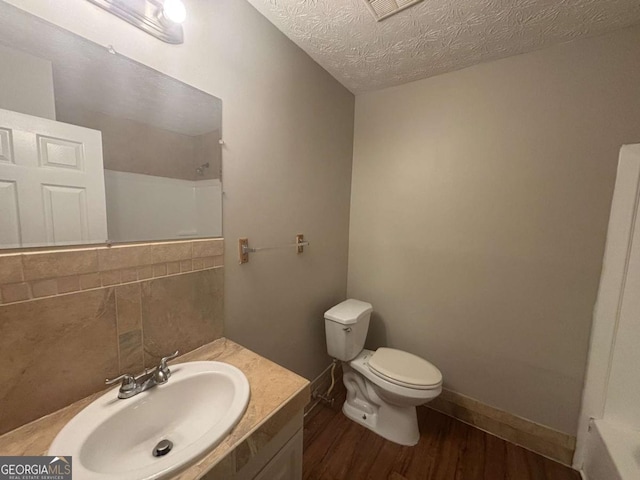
(244, 249)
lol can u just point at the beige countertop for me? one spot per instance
(276, 395)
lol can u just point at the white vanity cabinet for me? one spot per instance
(287, 464)
(278, 458)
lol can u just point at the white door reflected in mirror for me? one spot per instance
(96, 148)
(51, 183)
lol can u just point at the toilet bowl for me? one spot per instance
(383, 386)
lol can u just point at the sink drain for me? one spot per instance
(162, 448)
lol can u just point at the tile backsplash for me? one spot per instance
(37, 274)
(71, 318)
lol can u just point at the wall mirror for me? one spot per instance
(95, 147)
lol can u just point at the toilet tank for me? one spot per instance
(346, 327)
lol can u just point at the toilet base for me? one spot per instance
(364, 406)
(404, 432)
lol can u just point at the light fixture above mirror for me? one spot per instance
(160, 18)
(174, 11)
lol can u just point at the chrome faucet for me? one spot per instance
(132, 386)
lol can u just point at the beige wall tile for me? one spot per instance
(10, 269)
(44, 288)
(171, 252)
(173, 268)
(128, 302)
(102, 319)
(208, 248)
(124, 256)
(145, 272)
(129, 275)
(62, 348)
(69, 284)
(219, 261)
(209, 262)
(198, 263)
(160, 270)
(110, 278)
(40, 265)
(181, 312)
(130, 349)
(90, 280)
(15, 292)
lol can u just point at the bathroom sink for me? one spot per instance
(194, 410)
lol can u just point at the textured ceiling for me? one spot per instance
(435, 36)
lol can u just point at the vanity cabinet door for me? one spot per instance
(287, 464)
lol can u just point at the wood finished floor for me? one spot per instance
(336, 448)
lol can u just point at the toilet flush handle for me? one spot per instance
(347, 329)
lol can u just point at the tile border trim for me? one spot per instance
(550, 443)
(32, 275)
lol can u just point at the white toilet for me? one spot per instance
(383, 387)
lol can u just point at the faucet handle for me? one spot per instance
(164, 360)
(162, 372)
(128, 382)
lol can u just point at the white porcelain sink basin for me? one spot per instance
(195, 410)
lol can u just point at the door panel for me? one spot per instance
(6, 146)
(58, 152)
(65, 214)
(9, 216)
(57, 173)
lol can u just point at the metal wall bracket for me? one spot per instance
(300, 242)
(244, 249)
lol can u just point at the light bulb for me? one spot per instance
(174, 10)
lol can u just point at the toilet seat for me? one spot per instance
(416, 396)
(404, 369)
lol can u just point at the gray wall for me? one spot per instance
(480, 202)
(137, 147)
(288, 128)
(27, 84)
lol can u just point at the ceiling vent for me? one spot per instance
(381, 9)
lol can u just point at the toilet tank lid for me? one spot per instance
(348, 312)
